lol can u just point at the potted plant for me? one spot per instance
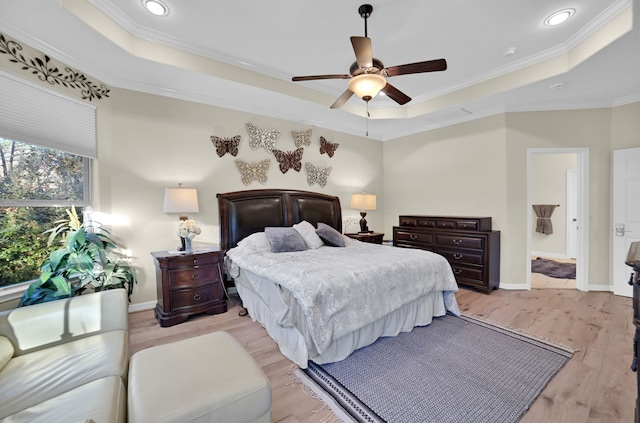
(85, 261)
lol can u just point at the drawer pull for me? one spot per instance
(413, 237)
(457, 241)
(197, 297)
(457, 256)
(195, 276)
(195, 261)
(457, 271)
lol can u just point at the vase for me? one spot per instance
(187, 245)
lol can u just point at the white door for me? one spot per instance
(626, 214)
(572, 213)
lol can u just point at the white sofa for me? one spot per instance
(66, 360)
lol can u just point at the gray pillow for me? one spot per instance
(284, 240)
(330, 236)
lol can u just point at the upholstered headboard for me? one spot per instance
(243, 213)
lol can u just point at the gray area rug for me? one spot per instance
(457, 369)
(553, 269)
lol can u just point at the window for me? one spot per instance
(37, 185)
(47, 141)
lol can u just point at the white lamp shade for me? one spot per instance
(367, 85)
(363, 201)
(180, 200)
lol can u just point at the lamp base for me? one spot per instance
(364, 229)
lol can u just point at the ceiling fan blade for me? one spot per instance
(419, 67)
(342, 99)
(395, 94)
(362, 49)
(314, 77)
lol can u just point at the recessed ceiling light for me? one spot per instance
(156, 7)
(509, 51)
(559, 17)
(557, 86)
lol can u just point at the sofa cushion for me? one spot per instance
(33, 378)
(6, 351)
(103, 400)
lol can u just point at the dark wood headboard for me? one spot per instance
(243, 213)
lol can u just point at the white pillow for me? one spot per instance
(255, 243)
(308, 233)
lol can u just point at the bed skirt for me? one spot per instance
(419, 312)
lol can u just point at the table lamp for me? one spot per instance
(181, 200)
(363, 202)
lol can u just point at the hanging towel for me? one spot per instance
(544, 212)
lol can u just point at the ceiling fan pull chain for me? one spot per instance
(366, 121)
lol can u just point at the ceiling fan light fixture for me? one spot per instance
(367, 85)
(156, 7)
(558, 17)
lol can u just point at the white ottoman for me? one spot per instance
(210, 378)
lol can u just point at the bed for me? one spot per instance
(320, 304)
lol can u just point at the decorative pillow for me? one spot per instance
(255, 243)
(308, 233)
(330, 236)
(284, 240)
(6, 351)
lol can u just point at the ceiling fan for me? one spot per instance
(367, 74)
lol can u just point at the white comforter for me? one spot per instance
(332, 291)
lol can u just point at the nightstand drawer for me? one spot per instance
(189, 298)
(462, 257)
(460, 241)
(191, 260)
(193, 277)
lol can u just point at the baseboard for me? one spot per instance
(606, 288)
(142, 306)
(513, 286)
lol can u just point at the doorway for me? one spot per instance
(558, 177)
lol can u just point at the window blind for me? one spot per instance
(32, 114)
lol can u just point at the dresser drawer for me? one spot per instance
(460, 241)
(414, 237)
(190, 260)
(189, 298)
(464, 257)
(193, 277)
(468, 275)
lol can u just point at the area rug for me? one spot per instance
(457, 369)
(553, 269)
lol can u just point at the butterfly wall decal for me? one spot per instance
(316, 174)
(265, 138)
(253, 171)
(302, 138)
(328, 147)
(289, 159)
(226, 145)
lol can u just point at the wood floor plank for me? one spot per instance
(595, 386)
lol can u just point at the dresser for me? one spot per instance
(633, 260)
(188, 284)
(468, 243)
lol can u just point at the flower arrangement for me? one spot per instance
(188, 229)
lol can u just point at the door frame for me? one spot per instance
(572, 194)
(582, 248)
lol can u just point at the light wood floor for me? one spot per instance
(596, 385)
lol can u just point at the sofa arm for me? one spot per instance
(44, 325)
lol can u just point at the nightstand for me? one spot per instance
(373, 237)
(188, 284)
